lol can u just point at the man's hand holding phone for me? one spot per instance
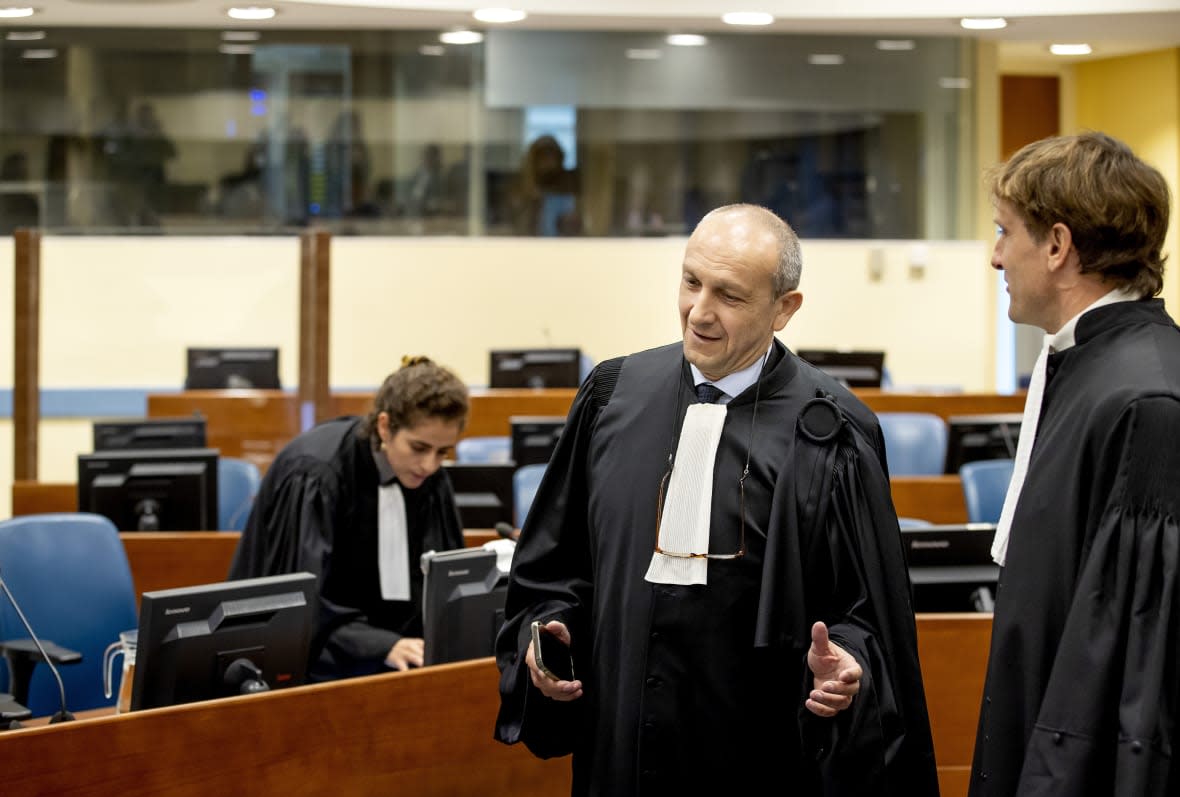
(551, 667)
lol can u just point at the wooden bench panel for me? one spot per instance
(942, 404)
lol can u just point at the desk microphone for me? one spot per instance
(506, 530)
(63, 715)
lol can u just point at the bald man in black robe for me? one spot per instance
(795, 661)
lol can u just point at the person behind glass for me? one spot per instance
(1082, 693)
(357, 500)
(545, 200)
(729, 577)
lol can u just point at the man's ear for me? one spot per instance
(1060, 247)
(788, 304)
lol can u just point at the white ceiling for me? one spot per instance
(1112, 27)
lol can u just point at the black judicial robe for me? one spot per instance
(316, 510)
(700, 689)
(1084, 672)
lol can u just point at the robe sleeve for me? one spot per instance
(554, 539)
(834, 553)
(1118, 663)
(858, 583)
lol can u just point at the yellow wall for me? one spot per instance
(1137, 99)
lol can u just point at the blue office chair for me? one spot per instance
(915, 443)
(488, 449)
(985, 483)
(525, 482)
(237, 485)
(69, 574)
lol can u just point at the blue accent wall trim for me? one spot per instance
(89, 402)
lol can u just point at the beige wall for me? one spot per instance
(118, 312)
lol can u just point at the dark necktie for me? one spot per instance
(708, 394)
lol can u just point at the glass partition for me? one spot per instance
(396, 133)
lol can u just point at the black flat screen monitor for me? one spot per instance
(852, 368)
(951, 567)
(483, 492)
(232, 368)
(151, 489)
(142, 433)
(462, 604)
(536, 368)
(974, 437)
(223, 639)
(534, 437)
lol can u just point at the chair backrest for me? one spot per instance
(915, 443)
(525, 482)
(69, 573)
(237, 484)
(491, 449)
(985, 483)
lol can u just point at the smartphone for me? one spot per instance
(552, 655)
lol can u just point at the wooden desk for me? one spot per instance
(248, 424)
(942, 404)
(938, 499)
(491, 408)
(256, 424)
(426, 732)
(168, 559)
(952, 649)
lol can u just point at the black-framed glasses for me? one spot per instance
(741, 551)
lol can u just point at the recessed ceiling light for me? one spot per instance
(983, 23)
(895, 44)
(747, 18)
(954, 83)
(15, 12)
(825, 59)
(25, 35)
(236, 49)
(686, 40)
(240, 35)
(460, 37)
(499, 15)
(252, 12)
(1070, 49)
(39, 54)
(432, 49)
(644, 54)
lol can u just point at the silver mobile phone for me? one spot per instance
(552, 655)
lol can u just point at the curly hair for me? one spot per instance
(419, 389)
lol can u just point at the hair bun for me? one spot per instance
(418, 359)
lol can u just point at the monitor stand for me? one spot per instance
(11, 713)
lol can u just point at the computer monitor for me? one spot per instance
(483, 492)
(852, 368)
(141, 433)
(232, 368)
(536, 368)
(223, 639)
(534, 437)
(951, 567)
(462, 603)
(171, 489)
(974, 437)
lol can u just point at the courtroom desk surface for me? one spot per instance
(426, 732)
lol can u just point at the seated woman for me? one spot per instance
(357, 501)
